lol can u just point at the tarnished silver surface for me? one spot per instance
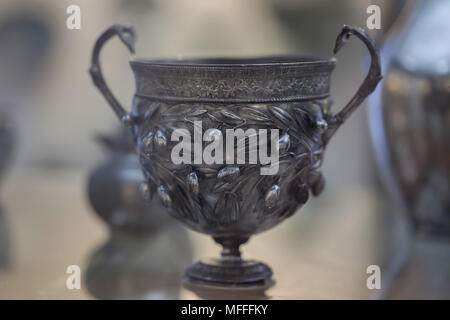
(233, 202)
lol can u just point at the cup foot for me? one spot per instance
(219, 291)
(229, 273)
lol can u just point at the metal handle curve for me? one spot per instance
(367, 87)
(128, 37)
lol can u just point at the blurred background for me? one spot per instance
(51, 114)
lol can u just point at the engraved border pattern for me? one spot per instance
(232, 84)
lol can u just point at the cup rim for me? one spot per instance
(234, 80)
(237, 62)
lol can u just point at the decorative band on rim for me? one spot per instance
(236, 84)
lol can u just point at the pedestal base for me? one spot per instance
(229, 273)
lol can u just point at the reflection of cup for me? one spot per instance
(130, 266)
(231, 202)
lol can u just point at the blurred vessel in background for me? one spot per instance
(136, 262)
(410, 127)
(6, 148)
(113, 189)
(6, 142)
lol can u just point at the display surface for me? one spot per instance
(233, 202)
(313, 255)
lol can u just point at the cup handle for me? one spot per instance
(367, 87)
(127, 35)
